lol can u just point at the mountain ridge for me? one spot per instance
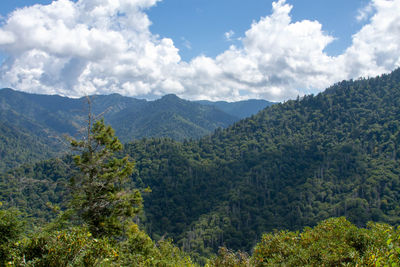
(50, 117)
(241, 109)
(289, 166)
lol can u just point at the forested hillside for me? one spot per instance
(240, 109)
(291, 165)
(33, 127)
(18, 146)
(170, 117)
(40, 123)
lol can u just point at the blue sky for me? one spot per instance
(202, 23)
(197, 49)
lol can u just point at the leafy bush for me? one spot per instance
(71, 247)
(333, 242)
(11, 226)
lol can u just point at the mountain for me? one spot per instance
(18, 146)
(171, 117)
(40, 122)
(289, 166)
(240, 109)
(32, 126)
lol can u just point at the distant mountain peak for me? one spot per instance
(170, 97)
(7, 91)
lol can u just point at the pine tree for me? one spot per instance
(101, 195)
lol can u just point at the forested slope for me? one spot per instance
(170, 117)
(241, 109)
(18, 147)
(291, 165)
(44, 120)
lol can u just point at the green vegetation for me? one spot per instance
(333, 242)
(100, 193)
(32, 127)
(11, 227)
(76, 246)
(290, 166)
(170, 117)
(18, 146)
(99, 228)
(36, 188)
(241, 109)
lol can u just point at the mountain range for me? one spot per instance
(33, 126)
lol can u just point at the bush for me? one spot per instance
(11, 227)
(333, 242)
(70, 247)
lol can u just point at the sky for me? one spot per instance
(197, 49)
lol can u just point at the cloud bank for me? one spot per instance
(105, 46)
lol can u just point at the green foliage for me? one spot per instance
(170, 117)
(228, 258)
(18, 146)
(333, 242)
(69, 247)
(100, 193)
(292, 165)
(77, 247)
(140, 250)
(11, 227)
(106, 206)
(32, 188)
(241, 109)
(387, 251)
(32, 126)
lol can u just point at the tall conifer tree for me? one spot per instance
(101, 196)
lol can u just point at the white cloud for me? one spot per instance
(376, 47)
(105, 46)
(277, 59)
(365, 12)
(68, 47)
(228, 35)
(281, 59)
(186, 43)
(6, 37)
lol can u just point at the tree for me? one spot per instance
(11, 227)
(101, 195)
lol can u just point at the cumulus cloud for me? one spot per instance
(376, 47)
(68, 47)
(278, 58)
(105, 46)
(281, 58)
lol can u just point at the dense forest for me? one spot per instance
(292, 165)
(241, 109)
